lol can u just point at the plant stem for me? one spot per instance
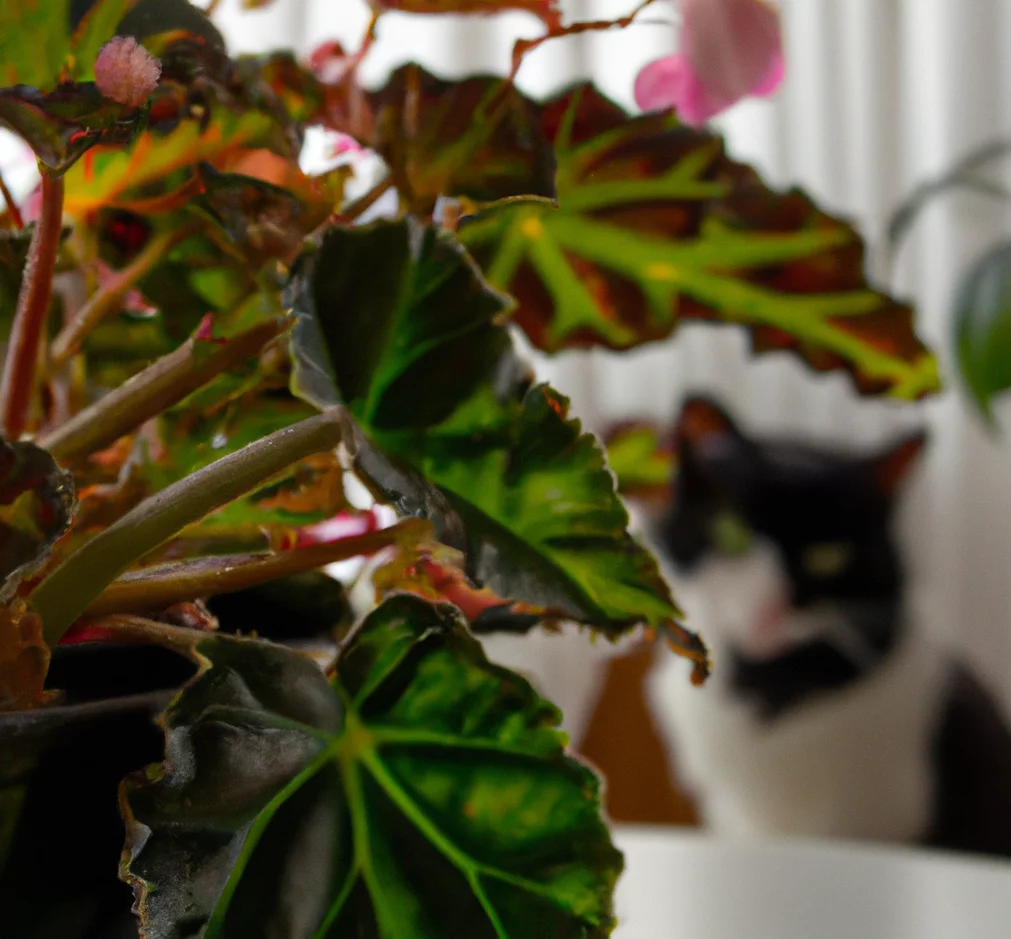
(18, 381)
(361, 205)
(68, 591)
(69, 339)
(151, 391)
(155, 588)
(140, 629)
(12, 206)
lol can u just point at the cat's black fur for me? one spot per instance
(798, 496)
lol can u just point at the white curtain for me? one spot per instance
(881, 94)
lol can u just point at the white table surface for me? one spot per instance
(692, 886)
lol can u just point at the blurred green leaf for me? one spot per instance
(982, 328)
(641, 456)
(34, 41)
(656, 224)
(425, 794)
(96, 28)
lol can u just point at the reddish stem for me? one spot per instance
(18, 380)
(12, 206)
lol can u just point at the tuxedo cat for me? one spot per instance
(829, 713)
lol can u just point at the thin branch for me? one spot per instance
(135, 628)
(12, 206)
(523, 47)
(18, 381)
(71, 588)
(361, 205)
(151, 391)
(155, 588)
(109, 298)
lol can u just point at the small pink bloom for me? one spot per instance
(341, 144)
(729, 49)
(126, 72)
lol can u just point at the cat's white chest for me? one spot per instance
(853, 764)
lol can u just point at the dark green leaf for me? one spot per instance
(442, 804)
(36, 507)
(62, 124)
(982, 327)
(302, 606)
(401, 308)
(478, 138)
(151, 17)
(101, 728)
(657, 224)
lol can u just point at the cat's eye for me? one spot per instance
(731, 534)
(827, 559)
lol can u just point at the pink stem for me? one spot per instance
(18, 380)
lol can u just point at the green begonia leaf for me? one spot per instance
(423, 793)
(425, 363)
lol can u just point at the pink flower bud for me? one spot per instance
(729, 49)
(126, 72)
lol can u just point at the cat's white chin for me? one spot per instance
(852, 764)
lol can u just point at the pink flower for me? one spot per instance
(729, 49)
(126, 72)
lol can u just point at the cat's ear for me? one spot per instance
(893, 467)
(704, 427)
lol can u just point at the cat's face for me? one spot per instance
(785, 556)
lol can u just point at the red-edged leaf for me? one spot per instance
(62, 124)
(478, 138)
(655, 224)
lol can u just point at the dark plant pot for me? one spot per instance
(60, 769)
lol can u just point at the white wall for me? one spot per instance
(880, 94)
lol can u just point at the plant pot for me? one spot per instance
(60, 768)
